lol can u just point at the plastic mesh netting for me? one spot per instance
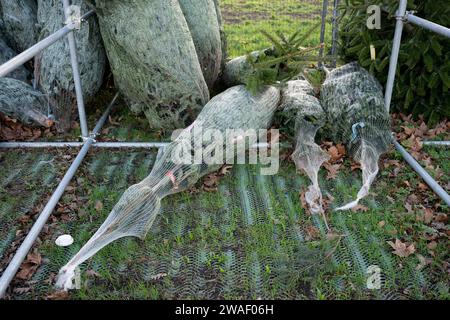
(246, 240)
(304, 111)
(135, 212)
(354, 104)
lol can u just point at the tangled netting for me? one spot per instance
(6, 53)
(135, 212)
(53, 69)
(299, 105)
(18, 23)
(20, 101)
(353, 101)
(154, 60)
(202, 17)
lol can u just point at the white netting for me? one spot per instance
(300, 106)
(353, 101)
(135, 212)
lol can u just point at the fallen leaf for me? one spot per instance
(312, 233)
(422, 186)
(58, 295)
(381, 224)
(98, 205)
(92, 273)
(333, 236)
(408, 207)
(332, 170)
(334, 153)
(360, 207)
(432, 245)
(29, 266)
(428, 215)
(225, 170)
(401, 249)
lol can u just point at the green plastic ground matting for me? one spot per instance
(249, 239)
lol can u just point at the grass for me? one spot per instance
(204, 245)
(244, 21)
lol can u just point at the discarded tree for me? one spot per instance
(55, 72)
(176, 171)
(6, 53)
(153, 59)
(202, 19)
(300, 106)
(20, 101)
(353, 101)
(18, 23)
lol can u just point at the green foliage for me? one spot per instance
(284, 61)
(422, 81)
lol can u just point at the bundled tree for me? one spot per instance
(301, 113)
(6, 53)
(356, 116)
(20, 101)
(153, 59)
(18, 23)
(133, 215)
(53, 65)
(202, 17)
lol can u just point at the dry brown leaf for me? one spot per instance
(312, 233)
(98, 206)
(332, 170)
(58, 295)
(360, 207)
(402, 249)
(381, 224)
(422, 186)
(428, 215)
(408, 207)
(29, 266)
(226, 169)
(432, 245)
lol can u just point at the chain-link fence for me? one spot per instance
(244, 21)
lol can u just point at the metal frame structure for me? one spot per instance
(403, 16)
(88, 139)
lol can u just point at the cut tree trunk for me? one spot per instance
(55, 71)
(201, 17)
(18, 23)
(6, 53)
(153, 59)
(20, 101)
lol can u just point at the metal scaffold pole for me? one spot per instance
(31, 237)
(75, 69)
(400, 16)
(322, 30)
